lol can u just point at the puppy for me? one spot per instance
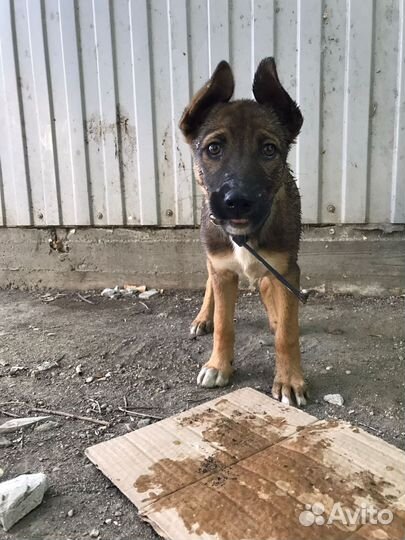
(240, 151)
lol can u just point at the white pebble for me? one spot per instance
(334, 399)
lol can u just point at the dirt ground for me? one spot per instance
(139, 354)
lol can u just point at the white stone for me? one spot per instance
(4, 442)
(19, 496)
(148, 294)
(79, 369)
(13, 425)
(334, 399)
(16, 369)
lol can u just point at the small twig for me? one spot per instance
(136, 413)
(369, 427)
(75, 416)
(97, 403)
(125, 402)
(9, 414)
(12, 403)
(142, 407)
(143, 303)
(85, 299)
(48, 299)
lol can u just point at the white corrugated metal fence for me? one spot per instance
(91, 92)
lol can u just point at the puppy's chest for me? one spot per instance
(244, 263)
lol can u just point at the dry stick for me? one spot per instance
(367, 426)
(85, 299)
(9, 414)
(136, 413)
(75, 416)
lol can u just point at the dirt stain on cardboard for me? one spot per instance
(270, 486)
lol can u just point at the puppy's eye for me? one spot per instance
(214, 149)
(269, 150)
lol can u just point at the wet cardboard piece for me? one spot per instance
(245, 467)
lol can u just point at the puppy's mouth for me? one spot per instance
(238, 226)
(239, 222)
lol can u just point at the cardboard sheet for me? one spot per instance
(245, 467)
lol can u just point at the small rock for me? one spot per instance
(4, 442)
(89, 380)
(79, 369)
(45, 366)
(47, 426)
(148, 294)
(109, 293)
(16, 369)
(118, 513)
(19, 496)
(334, 399)
(94, 533)
(112, 293)
(143, 423)
(328, 368)
(18, 423)
(70, 513)
(108, 521)
(348, 372)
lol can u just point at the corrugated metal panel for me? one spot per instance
(91, 92)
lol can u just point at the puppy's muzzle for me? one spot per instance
(233, 203)
(238, 204)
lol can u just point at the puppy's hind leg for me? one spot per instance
(204, 322)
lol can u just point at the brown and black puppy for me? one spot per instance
(240, 153)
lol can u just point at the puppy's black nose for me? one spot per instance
(237, 202)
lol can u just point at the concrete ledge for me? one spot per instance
(364, 259)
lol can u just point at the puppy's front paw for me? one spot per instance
(290, 389)
(210, 377)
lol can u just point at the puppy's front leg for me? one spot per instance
(203, 323)
(288, 381)
(217, 371)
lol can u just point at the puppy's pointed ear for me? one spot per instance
(218, 89)
(268, 90)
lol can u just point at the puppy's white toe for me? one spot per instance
(211, 377)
